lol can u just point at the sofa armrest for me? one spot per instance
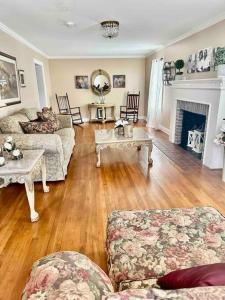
(65, 121)
(50, 142)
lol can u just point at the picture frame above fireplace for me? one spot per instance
(9, 81)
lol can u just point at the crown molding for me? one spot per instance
(97, 57)
(19, 38)
(197, 29)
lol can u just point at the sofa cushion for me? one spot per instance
(31, 113)
(10, 124)
(37, 127)
(47, 115)
(200, 293)
(207, 275)
(66, 275)
(151, 243)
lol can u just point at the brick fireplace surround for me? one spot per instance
(193, 107)
(203, 96)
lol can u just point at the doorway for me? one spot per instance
(41, 84)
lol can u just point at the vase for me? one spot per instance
(221, 71)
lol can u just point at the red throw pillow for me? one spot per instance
(207, 275)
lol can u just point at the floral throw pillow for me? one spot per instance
(37, 127)
(47, 115)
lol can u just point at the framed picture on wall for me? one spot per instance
(119, 81)
(81, 82)
(9, 85)
(21, 78)
(204, 60)
(191, 63)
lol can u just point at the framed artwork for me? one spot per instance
(9, 85)
(21, 77)
(81, 82)
(191, 63)
(119, 81)
(203, 60)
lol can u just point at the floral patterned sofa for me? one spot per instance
(141, 246)
(58, 146)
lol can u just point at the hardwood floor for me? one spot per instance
(73, 215)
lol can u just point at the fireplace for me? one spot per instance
(190, 116)
(193, 132)
(205, 97)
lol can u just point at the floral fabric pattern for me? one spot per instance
(151, 243)
(66, 275)
(138, 284)
(47, 115)
(37, 127)
(10, 124)
(200, 293)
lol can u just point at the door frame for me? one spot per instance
(41, 64)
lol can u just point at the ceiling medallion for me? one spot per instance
(111, 29)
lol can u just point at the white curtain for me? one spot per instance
(155, 94)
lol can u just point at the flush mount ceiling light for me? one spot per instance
(70, 24)
(111, 29)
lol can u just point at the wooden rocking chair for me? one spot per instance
(131, 108)
(65, 109)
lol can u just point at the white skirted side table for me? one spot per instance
(24, 171)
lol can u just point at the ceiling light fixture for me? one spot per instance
(111, 29)
(70, 23)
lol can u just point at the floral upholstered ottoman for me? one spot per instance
(66, 275)
(144, 245)
(199, 293)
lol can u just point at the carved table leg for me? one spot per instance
(29, 185)
(43, 170)
(98, 151)
(150, 161)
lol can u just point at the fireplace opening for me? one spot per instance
(192, 134)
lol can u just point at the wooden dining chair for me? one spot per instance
(66, 109)
(131, 109)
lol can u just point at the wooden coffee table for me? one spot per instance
(107, 138)
(24, 171)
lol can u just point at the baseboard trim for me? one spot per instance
(164, 129)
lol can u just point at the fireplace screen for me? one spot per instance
(193, 131)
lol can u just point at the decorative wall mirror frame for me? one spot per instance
(100, 82)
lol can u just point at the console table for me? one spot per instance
(104, 107)
(24, 171)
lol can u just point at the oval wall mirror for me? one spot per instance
(100, 82)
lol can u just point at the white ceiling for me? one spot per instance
(145, 25)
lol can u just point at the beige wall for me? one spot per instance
(25, 60)
(62, 72)
(213, 36)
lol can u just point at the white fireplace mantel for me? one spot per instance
(204, 91)
(209, 83)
